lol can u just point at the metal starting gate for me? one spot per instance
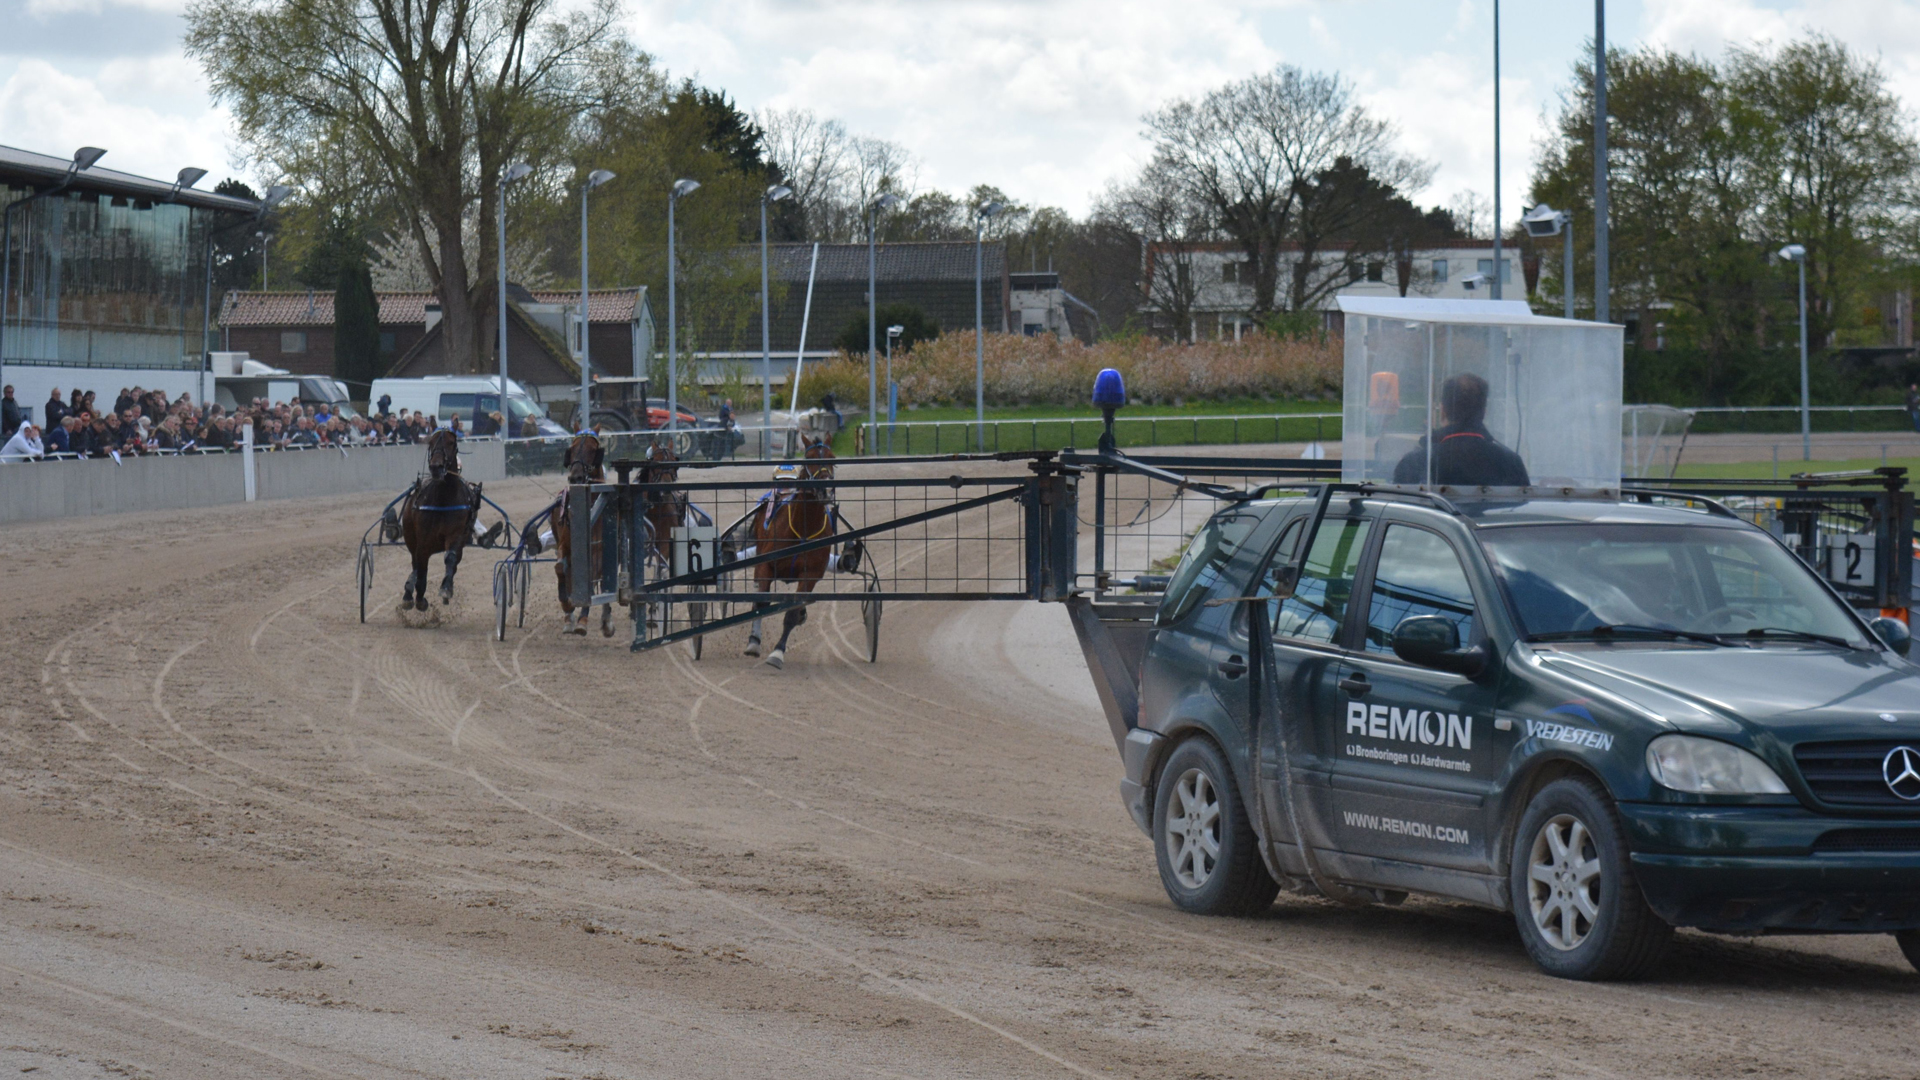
(1099, 532)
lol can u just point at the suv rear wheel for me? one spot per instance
(1208, 854)
(1579, 908)
(1910, 944)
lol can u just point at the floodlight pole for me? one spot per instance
(1602, 307)
(873, 401)
(1806, 411)
(980, 326)
(680, 188)
(773, 193)
(507, 176)
(1497, 267)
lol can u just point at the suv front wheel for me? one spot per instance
(1205, 845)
(1578, 906)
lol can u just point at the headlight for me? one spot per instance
(1710, 767)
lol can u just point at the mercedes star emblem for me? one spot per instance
(1901, 770)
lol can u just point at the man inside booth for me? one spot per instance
(1465, 454)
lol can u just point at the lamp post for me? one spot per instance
(1498, 266)
(774, 193)
(509, 175)
(262, 237)
(681, 189)
(980, 325)
(873, 346)
(1544, 220)
(594, 180)
(1797, 253)
(83, 159)
(893, 335)
(1602, 295)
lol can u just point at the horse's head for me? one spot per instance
(662, 464)
(818, 451)
(443, 453)
(583, 459)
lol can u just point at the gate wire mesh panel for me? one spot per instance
(1135, 525)
(937, 535)
(1853, 532)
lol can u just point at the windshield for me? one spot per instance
(1566, 579)
(521, 408)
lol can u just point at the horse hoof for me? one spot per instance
(753, 646)
(776, 660)
(421, 604)
(606, 630)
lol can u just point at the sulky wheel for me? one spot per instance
(363, 565)
(502, 598)
(870, 617)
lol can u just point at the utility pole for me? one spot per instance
(1602, 308)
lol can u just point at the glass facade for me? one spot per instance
(105, 281)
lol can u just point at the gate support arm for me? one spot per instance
(1119, 694)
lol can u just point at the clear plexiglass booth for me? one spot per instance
(1479, 395)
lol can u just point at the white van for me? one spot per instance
(465, 396)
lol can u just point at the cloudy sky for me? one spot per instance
(1041, 97)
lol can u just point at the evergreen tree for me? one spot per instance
(356, 329)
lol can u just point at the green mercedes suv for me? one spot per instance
(1608, 718)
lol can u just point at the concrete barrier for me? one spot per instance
(62, 489)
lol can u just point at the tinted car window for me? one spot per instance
(1570, 578)
(1319, 603)
(1213, 547)
(452, 405)
(1418, 574)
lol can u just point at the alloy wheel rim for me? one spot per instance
(1563, 882)
(1193, 829)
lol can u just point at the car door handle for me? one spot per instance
(1356, 684)
(1233, 667)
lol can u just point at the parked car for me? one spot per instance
(469, 397)
(1609, 719)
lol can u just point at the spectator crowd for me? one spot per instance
(144, 422)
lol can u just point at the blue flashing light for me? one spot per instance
(1109, 389)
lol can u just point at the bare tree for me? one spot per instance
(814, 155)
(1173, 227)
(1247, 150)
(432, 100)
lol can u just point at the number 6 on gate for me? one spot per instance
(696, 548)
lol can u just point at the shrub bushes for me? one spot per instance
(1044, 370)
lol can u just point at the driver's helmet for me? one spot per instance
(782, 473)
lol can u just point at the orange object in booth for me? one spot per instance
(1383, 392)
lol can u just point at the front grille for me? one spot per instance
(1845, 840)
(1848, 773)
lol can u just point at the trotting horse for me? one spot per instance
(666, 511)
(436, 516)
(786, 519)
(583, 461)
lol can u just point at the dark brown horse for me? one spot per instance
(436, 516)
(786, 519)
(666, 511)
(584, 463)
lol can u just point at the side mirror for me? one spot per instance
(1894, 633)
(1434, 642)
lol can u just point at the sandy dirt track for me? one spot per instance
(242, 835)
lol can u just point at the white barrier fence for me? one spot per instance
(41, 491)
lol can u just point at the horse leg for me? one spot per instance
(763, 584)
(453, 564)
(566, 600)
(778, 657)
(606, 620)
(418, 582)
